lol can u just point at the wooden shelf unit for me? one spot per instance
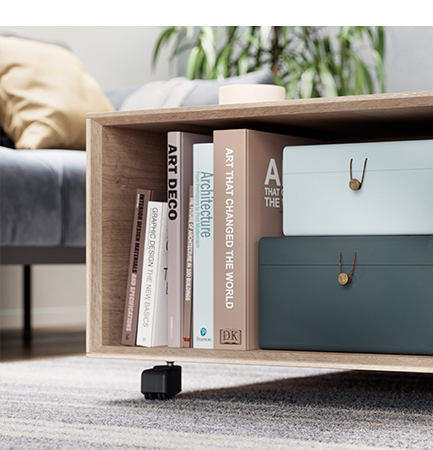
(127, 150)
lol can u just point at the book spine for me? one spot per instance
(229, 240)
(203, 303)
(129, 329)
(179, 178)
(150, 273)
(187, 310)
(159, 328)
(248, 165)
(175, 217)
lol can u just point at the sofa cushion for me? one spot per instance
(118, 95)
(159, 94)
(181, 91)
(45, 93)
(206, 92)
(42, 197)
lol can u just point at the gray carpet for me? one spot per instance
(79, 403)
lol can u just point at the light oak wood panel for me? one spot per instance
(93, 236)
(119, 162)
(131, 159)
(355, 118)
(350, 361)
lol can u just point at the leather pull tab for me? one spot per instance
(355, 184)
(343, 278)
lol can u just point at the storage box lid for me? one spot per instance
(382, 156)
(371, 250)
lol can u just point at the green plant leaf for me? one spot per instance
(251, 48)
(222, 62)
(265, 33)
(164, 39)
(207, 42)
(377, 39)
(294, 81)
(193, 64)
(181, 49)
(381, 42)
(307, 82)
(327, 80)
(380, 70)
(360, 79)
(327, 45)
(243, 63)
(368, 83)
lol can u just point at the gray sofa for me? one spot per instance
(42, 194)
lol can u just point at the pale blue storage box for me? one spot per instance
(395, 197)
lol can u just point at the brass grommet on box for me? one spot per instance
(354, 184)
(343, 278)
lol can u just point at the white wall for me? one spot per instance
(115, 57)
(58, 293)
(409, 65)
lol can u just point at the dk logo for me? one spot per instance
(230, 336)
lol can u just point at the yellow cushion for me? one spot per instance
(45, 93)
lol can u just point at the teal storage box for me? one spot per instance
(387, 307)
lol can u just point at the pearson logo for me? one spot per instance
(230, 336)
(204, 337)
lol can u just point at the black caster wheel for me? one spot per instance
(161, 382)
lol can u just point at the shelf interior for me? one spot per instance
(127, 151)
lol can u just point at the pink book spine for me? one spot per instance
(129, 330)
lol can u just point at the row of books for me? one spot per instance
(224, 192)
(146, 293)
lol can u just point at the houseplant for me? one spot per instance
(307, 61)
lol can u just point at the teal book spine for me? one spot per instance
(203, 299)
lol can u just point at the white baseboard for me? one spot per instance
(58, 296)
(44, 317)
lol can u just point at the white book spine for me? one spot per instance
(179, 179)
(159, 332)
(175, 156)
(203, 305)
(150, 271)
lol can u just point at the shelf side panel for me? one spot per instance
(93, 236)
(129, 159)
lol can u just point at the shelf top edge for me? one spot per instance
(297, 106)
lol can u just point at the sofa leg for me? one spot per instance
(27, 330)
